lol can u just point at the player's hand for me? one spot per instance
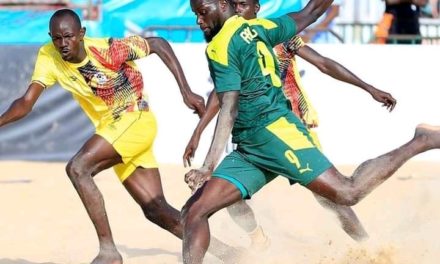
(190, 149)
(385, 98)
(195, 102)
(196, 178)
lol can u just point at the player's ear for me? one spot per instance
(82, 33)
(257, 9)
(224, 4)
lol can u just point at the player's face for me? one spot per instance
(246, 8)
(67, 37)
(208, 17)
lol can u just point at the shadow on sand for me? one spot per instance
(16, 181)
(139, 252)
(21, 261)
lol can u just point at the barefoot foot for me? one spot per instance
(108, 257)
(429, 134)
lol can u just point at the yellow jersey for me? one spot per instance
(106, 83)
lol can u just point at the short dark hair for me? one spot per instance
(257, 2)
(66, 12)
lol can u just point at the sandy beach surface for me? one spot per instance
(43, 221)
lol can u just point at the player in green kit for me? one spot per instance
(286, 53)
(270, 139)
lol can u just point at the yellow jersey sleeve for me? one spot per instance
(130, 48)
(43, 71)
(139, 47)
(115, 52)
(295, 43)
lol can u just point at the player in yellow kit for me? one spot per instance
(102, 76)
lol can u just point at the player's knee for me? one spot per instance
(348, 197)
(187, 214)
(75, 169)
(192, 212)
(154, 209)
(72, 170)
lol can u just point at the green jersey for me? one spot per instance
(241, 58)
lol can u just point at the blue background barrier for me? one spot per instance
(119, 18)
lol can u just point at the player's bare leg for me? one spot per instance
(216, 194)
(243, 215)
(370, 174)
(145, 186)
(96, 155)
(347, 217)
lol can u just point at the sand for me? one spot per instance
(43, 221)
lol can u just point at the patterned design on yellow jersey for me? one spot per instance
(120, 51)
(290, 77)
(126, 85)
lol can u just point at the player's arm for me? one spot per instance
(310, 13)
(332, 13)
(226, 118)
(339, 72)
(212, 107)
(228, 112)
(435, 8)
(162, 48)
(23, 105)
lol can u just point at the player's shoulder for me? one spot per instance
(48, 50)
(97, 42)
(47, 47)
(230, 33)
(245, 28)
(261, 27)
(266, 23)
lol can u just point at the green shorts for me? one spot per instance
(282, 148)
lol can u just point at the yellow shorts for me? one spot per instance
(132, 136)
